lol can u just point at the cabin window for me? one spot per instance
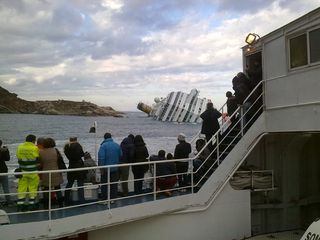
(314, 45)
(298, 51)
(305, 49)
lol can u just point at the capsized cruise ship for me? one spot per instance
(277, 140)
(177, 107)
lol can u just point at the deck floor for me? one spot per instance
(25, 217)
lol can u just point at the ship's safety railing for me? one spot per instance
(222, 141)
(195, 176)
(92, 193)
(222, 110)
(224, 122)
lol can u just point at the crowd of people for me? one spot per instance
(42, 155)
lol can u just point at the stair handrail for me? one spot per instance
(217, 161)
(196, 136)
(219, 188)
(240, 120)
(221, 110)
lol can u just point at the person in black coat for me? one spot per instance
(241, 87)
(210, 124)
(127, 147)
(74, 152)
(140, 155)
(231, 106)
(4, 156)
(182, 150)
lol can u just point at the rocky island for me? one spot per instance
(11, 103)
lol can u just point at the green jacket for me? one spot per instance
(28, 156)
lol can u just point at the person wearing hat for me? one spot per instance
(182, 151)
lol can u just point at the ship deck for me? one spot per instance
(74, 210)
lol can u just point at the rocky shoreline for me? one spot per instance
(11, 103)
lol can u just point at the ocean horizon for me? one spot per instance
(157, 135)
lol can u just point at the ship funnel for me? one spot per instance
(144, 108)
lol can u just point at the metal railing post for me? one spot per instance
(109, 186)
(241, 119)
(192, 176)
(49, 193)
(154, 181)
(217, 141)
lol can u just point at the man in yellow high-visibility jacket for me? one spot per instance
(28, 159)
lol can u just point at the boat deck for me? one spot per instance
(89, 207)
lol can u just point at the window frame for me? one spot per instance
(307, 33)
(309, 60)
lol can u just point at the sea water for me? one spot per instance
(157, 135)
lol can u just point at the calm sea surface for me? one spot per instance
(157, 135)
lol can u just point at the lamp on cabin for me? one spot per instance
(252, 38)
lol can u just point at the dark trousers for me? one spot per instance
(124, 175)
(210, 146)
(182, 168)
(46, 197)
(5, 187)
(114, 178)
(138, 183)
(80, 190)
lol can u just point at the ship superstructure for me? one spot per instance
(177, 107)
(272, 148)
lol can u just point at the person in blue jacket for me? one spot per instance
(109, 154)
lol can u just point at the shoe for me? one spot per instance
(168, 193)
(122, 194)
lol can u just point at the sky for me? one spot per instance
(118, 53)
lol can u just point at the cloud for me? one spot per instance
(44, 73)
(121, 52)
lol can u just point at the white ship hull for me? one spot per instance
(178, 107)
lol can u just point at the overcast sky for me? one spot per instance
(117, 53)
